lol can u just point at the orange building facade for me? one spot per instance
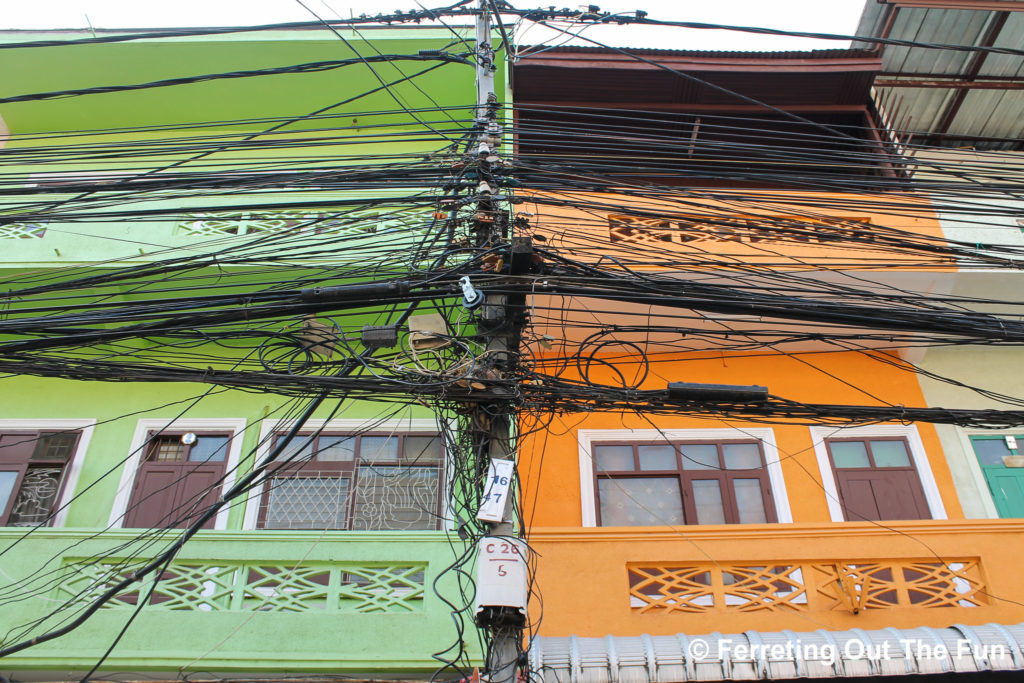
(680, 525)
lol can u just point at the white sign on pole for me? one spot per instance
(499, 482)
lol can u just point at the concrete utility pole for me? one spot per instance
(502, 571)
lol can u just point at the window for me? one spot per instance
(1002, 471)
(178, 479)
(362, 481)
(876, 479)
(33, 469)
(681, 482)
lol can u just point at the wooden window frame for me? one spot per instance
(22, 463)
(918, 494)
(685, 476)
(349, 469)
(186, 467)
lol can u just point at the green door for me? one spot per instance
(1005, 483)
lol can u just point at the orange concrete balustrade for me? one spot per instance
(805, 231)
(701, 579)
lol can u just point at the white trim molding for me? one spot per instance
(197, 424)
(586, 437)
(74, 471)
(819, 435)
(270, 427)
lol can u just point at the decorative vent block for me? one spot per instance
(810, 586)
(22, 231)
(221, 586)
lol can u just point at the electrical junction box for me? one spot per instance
(427, 331)
(501, 575)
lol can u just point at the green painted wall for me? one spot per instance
(35, 70)
(243, 638)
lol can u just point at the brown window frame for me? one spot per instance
(139, 507)
(20, 457)
(724, 476)
(840, 474)
(349, 469)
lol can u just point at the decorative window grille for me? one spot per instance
(32, 468)
(365, 481)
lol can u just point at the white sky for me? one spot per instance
(823, 16)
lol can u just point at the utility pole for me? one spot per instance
(502, 562)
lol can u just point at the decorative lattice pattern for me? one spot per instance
(749, 229)
(859, 586)
(347, 223)
(817, 586)
(226, 224)
(22, 231)
(216, 587)
(706, 588)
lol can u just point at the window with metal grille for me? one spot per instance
(33, 465)
(877, 479)
(356, 481)
(681, 482)
(178, 480)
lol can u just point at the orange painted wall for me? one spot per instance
(549, 458)
(582, 573)
(583, 585)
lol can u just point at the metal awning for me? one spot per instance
(773, 655)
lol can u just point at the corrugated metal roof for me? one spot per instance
(1011, 36)
(760, 655)
(958, 115)
(952, 27)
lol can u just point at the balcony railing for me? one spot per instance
(773, 577)
(258, 602)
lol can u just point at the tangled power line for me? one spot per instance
(604, 241)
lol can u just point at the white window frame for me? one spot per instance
(74, 466)
(197, 424)
(345, 425)
(819, 435)
(586, 437)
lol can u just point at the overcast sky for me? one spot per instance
(827, 16)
